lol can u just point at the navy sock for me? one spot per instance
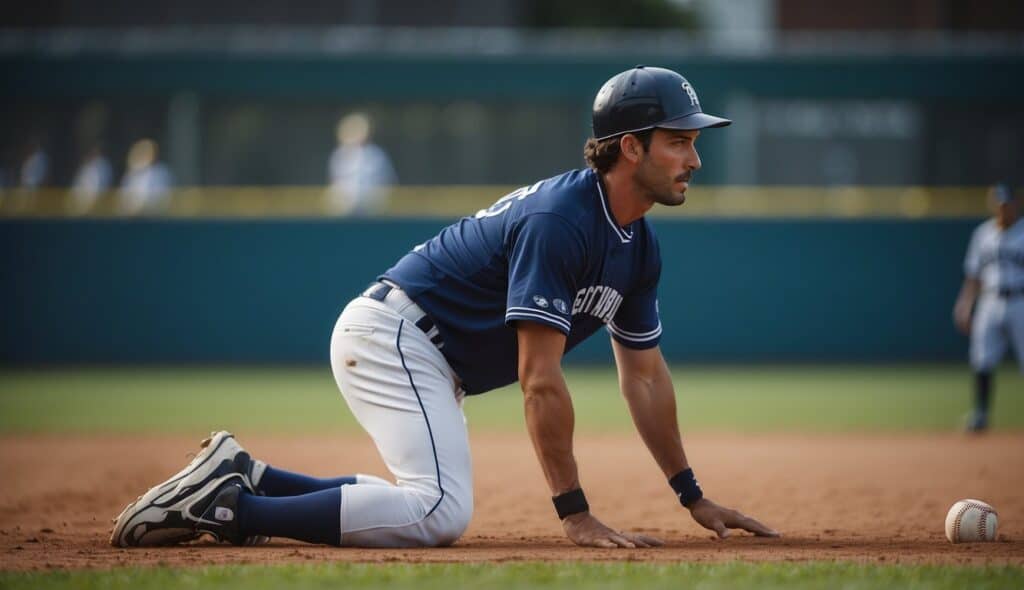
(278, 482)
(982, 391)
(314, 518)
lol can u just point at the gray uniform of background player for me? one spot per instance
(996, 258)
(994, 287)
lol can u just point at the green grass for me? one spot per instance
(291, 400)
(534, 575)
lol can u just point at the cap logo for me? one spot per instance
(692, 94)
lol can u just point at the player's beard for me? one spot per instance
(662, 190)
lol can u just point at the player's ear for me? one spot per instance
(630, 147)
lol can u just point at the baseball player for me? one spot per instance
(990, 306)
(495, 298)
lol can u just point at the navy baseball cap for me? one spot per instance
(647, 97)
(1002, 193)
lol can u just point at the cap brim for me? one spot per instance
(695, 121)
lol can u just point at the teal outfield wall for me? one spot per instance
(516, 78)
(168, 291)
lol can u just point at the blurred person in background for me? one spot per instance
(361, 173)
(92, 179)
(35, 168)
(147, 182)
(990, 307)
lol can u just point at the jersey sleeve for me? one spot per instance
(637, 324)
(546, 257)
(972, 261)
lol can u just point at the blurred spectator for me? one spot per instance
(35, 168)
(361, 172)
(147, 182)
(93, 178)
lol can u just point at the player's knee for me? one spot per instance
(450, 528)
(451, 518)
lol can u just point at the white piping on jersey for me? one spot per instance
(512, 311)
(624, 236)
(634, 336)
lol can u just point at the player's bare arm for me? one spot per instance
(646, 383)
(548, 407)
(964, 306)
(550, 421)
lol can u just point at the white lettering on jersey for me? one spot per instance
(599, 301)
(502, 204)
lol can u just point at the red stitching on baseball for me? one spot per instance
(985, 511)
(956, 521)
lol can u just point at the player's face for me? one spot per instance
(1006, 213)
(665, 171)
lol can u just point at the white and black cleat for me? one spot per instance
(217, 513)
(159, 517)
(226, 446)
(244, 464)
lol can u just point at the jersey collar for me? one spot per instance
(625, 235)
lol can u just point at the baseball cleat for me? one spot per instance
(977, 422)
(251, 468)
(225, 446)
(160, 517)
(216, 513)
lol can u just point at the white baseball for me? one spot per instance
(971, 521)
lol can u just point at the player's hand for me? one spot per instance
(587, 531)
(720, 519)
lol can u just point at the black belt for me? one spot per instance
(378, 291)
(1007, 293)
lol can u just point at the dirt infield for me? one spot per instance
(877, 499)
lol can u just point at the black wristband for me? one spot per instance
(686, 487)
(570, 503)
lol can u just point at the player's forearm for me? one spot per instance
(652, 403)
(550, 421)
(969, 291)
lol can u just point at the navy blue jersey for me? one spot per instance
(550, 253)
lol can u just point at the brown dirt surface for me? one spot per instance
(863, 498)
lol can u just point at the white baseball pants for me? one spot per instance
(998, 323)
(403, 392)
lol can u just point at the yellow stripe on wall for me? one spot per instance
(456, 201)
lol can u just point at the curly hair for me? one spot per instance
(602, 155)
